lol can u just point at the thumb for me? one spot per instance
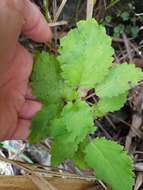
(35, 26)
(17, 16)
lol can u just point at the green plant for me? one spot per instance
(61, 84)
(118, 30)
(123, 20)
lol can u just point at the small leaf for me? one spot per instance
(46, 82)
(118, 30)
(120, 79)
(70, 129)
(108, 19)
(69, 93)
(79, 156)
(78, 119)
(110, 163)
(41, 122)
(62, 149)
(125, 15)
(57, 128)
(134, 31)
(112, 104)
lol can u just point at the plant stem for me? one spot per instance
(46, 2)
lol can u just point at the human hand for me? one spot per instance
(17, 107)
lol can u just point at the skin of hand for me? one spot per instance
(17, 106)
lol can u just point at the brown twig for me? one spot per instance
(53, 24)
(128, 49)
(32, 169)
(104, 131)
(59, 10)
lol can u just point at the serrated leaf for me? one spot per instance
(121, 78)
(111, 163)
(46, 82)
(63, 149)
(58, 128)
(112, 104)
(79, 161)
(69, 94)
(79, 156)
(85, 54)
(78, 119)
(74, 124)
(41, 122)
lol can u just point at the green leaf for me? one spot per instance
(85, 54)
(62, 149)
(125, 15)
(120, 79)
(111, 163)
(79, 156)
(69, 93)
(70, 129)
(108, 19)
(41, 122)
(78, 119)
(46, 82)
(112, 104)
(57, 128)
(135, 31)
(79, 161)
(132, 30)
(119, 29)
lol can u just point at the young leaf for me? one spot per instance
(46, 80)
(41, 122)
(79, 161)
(74, 124)
(112, 104)
(85, 54)
(62, 149)
(120, 79)
(125, 15)
(111, 163)
(69, 94)
(78, 119)
(79, 156)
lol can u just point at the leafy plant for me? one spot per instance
(118, 30)
(124, 20)
(61, 83)
(125, 15)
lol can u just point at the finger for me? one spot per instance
(35, 26)
(22, 131)
(23, 61)
(30, 108)
(29, 95)
(19, 71)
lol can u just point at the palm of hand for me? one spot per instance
(16, 102)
